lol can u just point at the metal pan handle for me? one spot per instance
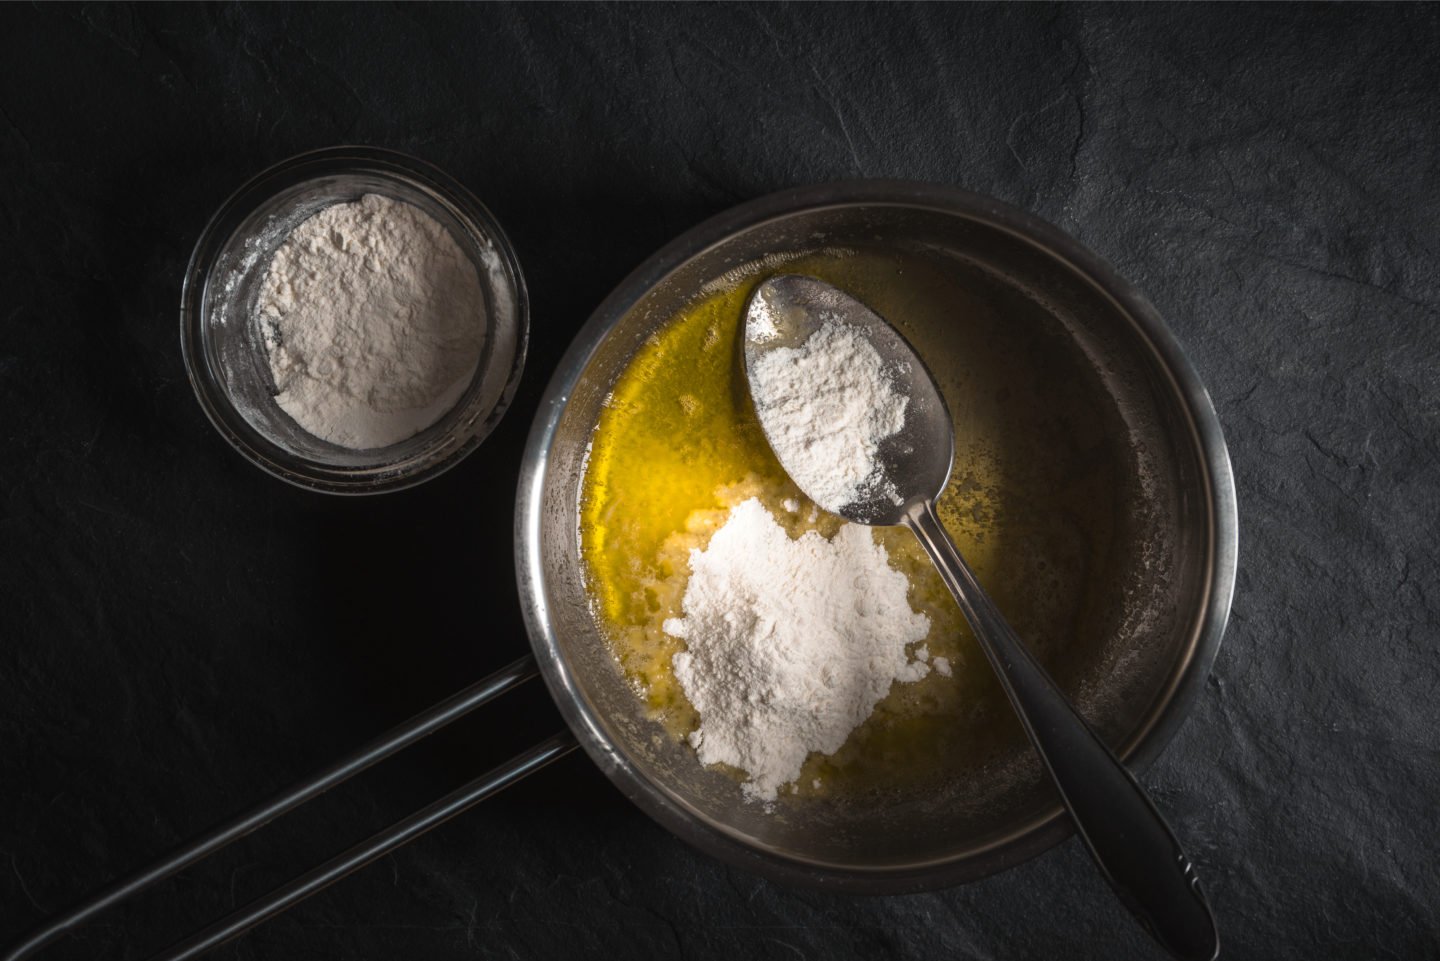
(293, 892)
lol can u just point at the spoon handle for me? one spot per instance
(1129, 840)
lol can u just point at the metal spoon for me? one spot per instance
(1125, 834)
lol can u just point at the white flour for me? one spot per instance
(826, 406)
(373, 318)
(790, 643)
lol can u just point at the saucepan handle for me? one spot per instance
(432, 815)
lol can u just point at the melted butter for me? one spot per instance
(677, 445)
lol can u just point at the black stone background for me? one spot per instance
(182, 634)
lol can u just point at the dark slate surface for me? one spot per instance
(181, 634)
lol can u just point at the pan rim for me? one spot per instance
(1173, 702)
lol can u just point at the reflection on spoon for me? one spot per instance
(856, 419)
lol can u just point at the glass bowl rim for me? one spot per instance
(219, 229)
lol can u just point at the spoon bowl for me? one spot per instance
(785, 311)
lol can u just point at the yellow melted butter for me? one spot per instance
(677, 445)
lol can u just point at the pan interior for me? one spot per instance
(1059, 361)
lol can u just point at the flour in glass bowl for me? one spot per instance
(373, 319)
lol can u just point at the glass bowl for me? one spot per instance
(226, 357)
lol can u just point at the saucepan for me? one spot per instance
(1134, 681)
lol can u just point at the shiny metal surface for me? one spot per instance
(889, 844)
(221, 836)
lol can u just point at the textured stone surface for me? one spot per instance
(180, 634)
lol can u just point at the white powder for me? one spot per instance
(790, 643)
(826, 406)
(374, 319)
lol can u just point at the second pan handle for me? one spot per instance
(287, 895)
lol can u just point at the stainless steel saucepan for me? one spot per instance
(1135, 681)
